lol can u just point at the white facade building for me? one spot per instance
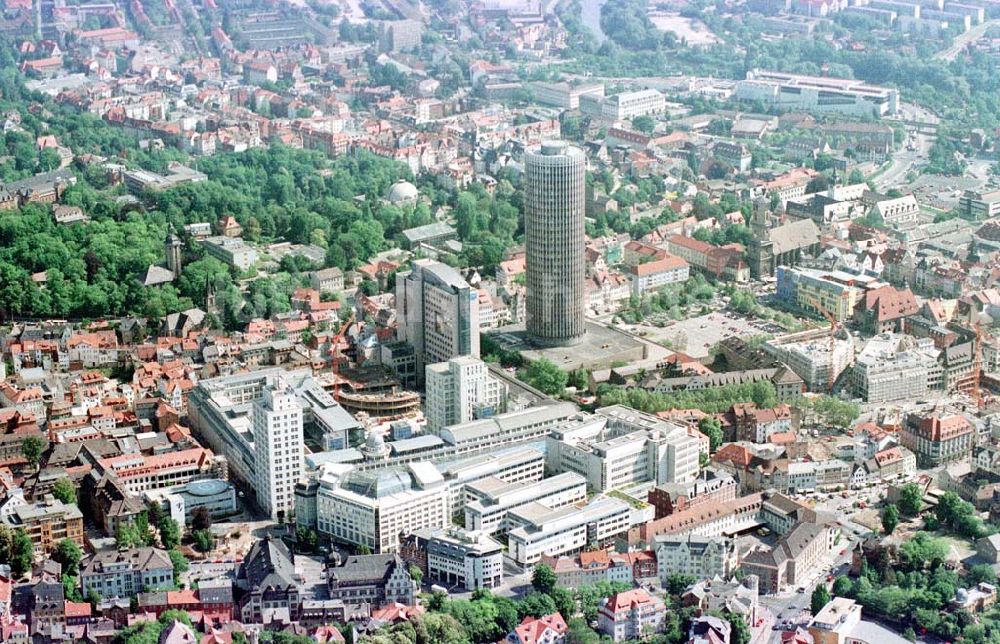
(544, 531)
(698, 556)
(277, 434)
(461, 390)
(372, 508)
(489, 501)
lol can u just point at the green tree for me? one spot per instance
(64, 490)
(170, 532)
(644, 124)
(842, 586)
(565, 601)
(536, 604)
(6, 543)
(69, 555)
(22, 553)
(306, 538)
(545, 376)
(579, 632)
(203, 541)
(32, 448)
(677, 583)
(179, 562)
(820, 598)
(910, 499)
(543, 579)
(981, 573)
(416, 574)
(740, 631)
(711, 427)
(890, 518)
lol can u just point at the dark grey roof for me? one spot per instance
(269, 564)
(365, 568)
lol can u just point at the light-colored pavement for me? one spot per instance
(962, 40)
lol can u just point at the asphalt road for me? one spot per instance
(904, 159)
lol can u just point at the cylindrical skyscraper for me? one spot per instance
(554, 188)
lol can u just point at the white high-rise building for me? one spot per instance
(277, 436)
(461, 390)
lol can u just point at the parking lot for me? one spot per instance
(695, 336)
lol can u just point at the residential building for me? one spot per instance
(650, 276)
(126, 573)
(554, 195)
(547, 629)
(327, 280)
(460, 390)
(378, 580)
(276, 422)
(734, 597)
(437, 312)
(715, 261)
(758, 425)
(710, 486)
(399, 35)
(48, 522)
(709, 629)
(590, 567)
(695, 555)
(631, 615)
(938, 439)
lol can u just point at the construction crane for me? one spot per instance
(337, 346)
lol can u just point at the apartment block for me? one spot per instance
(48, 522)
(631, 615)
(695, 555)
(126, 573)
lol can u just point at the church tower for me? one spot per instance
(174, 247)
(761, 248)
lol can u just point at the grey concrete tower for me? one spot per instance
(554, 191)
